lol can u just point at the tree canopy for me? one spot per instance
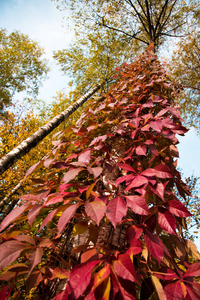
(22, 66)
(116, 31)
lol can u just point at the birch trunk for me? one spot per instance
(9, 159)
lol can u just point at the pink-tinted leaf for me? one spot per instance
(193, 270)
(154, 245)
(71, 174)
(124, 268)
(95, 171)
(167, 222)
(116, 210)
(25, 238)
(33, 168)
(101, 138)
(45, 243)
(167, 274)
(141, 150)
(9, 252)
(80, 277)
(159, 189)
(85, 156)
(174, 291)
(178, 209)
(66, 216)
(124, 178)
(13, 215)
(48, 218)
(133, 134)
(126, 167)
(137, 182)
(95, 210)
(162, 112)
(156, 125)
(53, 199)
(35, 258)
(64, 187)
(163, 171)
(36, 198)
(32, 214)
(48, 162)
(137, 204)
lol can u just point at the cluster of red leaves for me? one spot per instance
(104, 219)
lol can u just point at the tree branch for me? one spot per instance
(121, 31)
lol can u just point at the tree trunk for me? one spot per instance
(9, 159)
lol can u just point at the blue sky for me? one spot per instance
(44, 23)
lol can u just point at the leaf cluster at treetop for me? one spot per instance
(104, 221)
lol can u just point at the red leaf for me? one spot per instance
(174, 291)
(159, 189)
(162, 112)
(154, 246)
(133, 232)
(33, 280)
(101, 138)
(126, 167)
(66, 216)
(9, 252)
(156, 125)
(25, 238)
(80, 277)
(3, 293)
(123, 178)
(162, 171)
(135, 247)
(85, 156)
(116, 210)
(137, 204)
(138, 181)
(193, 293)
(141, 150)
(124, 268)
(13, 215)
(178, 209)
(35, 258)
(95, 210)
(71, 174)
(167, 222)
(32, 214)
(193, 270)
(48, 218)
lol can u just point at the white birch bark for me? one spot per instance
(9, 159)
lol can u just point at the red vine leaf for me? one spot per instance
(95, 210)
(66, 216)
(116, 210)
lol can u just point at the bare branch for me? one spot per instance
(139, 16)
(121, 31)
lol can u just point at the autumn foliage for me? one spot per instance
(104, 222)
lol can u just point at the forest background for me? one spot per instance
(44, 23)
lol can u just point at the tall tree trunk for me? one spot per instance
(9, 159)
